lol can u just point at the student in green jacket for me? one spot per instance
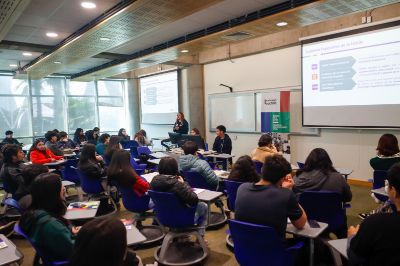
(44, 222)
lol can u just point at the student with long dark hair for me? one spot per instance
(79, 136)
(388, 153)
(123, 135)
(244, 170)
(11, 171)
(121, 171)
(44, 222)
(102, 241)
(39, 154)
(90, 164)
(113, 145)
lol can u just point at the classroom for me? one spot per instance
(212, 132)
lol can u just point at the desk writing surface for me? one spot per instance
(149, 177)
(155, 161)
(159, 155)
(380, 191)
(81, 213)
(10, 253)
(55, 163)
(133, 235)
(340, 245)
(222, 174)
(307, 231)
(208, 195)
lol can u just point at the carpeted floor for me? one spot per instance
(219, 253)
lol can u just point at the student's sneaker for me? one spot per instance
(365, 215)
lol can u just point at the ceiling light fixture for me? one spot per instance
(57, 62)
(13, 65)
(105, 39)
(281, 24)
(51, 34)
(88, 5)
(26, 54)
(184, 51)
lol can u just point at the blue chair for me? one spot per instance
(134, 152)
(258, 165)
(324, 206)
(143, 150)
(89, 185)
(231, 190)
(140, 205)
(10, 202)
(260, 245)
(180, 221)
(196, 180)
(379, 181)
(139, 168)
(301, 165)
(69, 171)
(39, 255)
(130, 143)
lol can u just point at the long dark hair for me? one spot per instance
(388, 145)
(101, 241)
(113, 145)
(78, 135)
(140, 138)
(318, 159)
(120, 132)
(45, 191)
(34, 148)
(244, 170)
(121, 170)
(88, 155)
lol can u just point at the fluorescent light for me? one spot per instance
(88, 5)
(13, 65)
(51, 34)
(105, 39)
(184, 51)
(57, 62)
(26, 54)
(281, 24)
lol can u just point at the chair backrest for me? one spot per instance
(259, 166)
(196, 180)
(170, 211)
(134, 152)
(143, 150)
(324, 206)
(69, 173)
(89, 185)
(301, 165)
(13, 203)
(258, 244)
(46, 261)
(133, 202)
(130, 143)
(231, 189)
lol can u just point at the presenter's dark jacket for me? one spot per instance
(51, 235)
(223, 145)
(183, 126)
(10, 141)
(171, 184)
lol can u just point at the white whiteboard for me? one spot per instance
(236, 111)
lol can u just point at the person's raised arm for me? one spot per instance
(300, 222)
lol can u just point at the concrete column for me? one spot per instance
(133, 103)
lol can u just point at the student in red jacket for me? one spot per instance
(121, 171)
(39, 154)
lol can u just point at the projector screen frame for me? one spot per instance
(345, 33)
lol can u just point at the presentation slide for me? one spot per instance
(159, 98)
(353, 81)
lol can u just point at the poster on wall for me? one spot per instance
(275, 119)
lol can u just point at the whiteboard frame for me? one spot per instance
(314, 132)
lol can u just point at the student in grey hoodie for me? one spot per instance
(190, 161)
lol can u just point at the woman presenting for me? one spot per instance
(181, 125)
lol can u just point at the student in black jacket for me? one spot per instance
(222, 143)
(11, 172)
(91, 164)
(168, 180)
(181, 125)
(9, 139)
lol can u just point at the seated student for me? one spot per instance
(121, 171)
(375, 241)
(244, 170)
(319, 174)
(113, 145)
(141, 139)
(169, 180)
(264, 150)
(79, 137)
(90, 163)
(195, 132)
(65, 142)
(190, 161)
(181, 125)
(102, 241)
(10, 174)
(222, 143)
(9, 138)
(123, 135)
(91, 137)
(267, 202)
(39, 154)
(96, 134)
(388, 153)
(51, 143)
(44, 222)
(29, 173)
(103, 143)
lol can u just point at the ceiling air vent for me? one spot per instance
(237, 36)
